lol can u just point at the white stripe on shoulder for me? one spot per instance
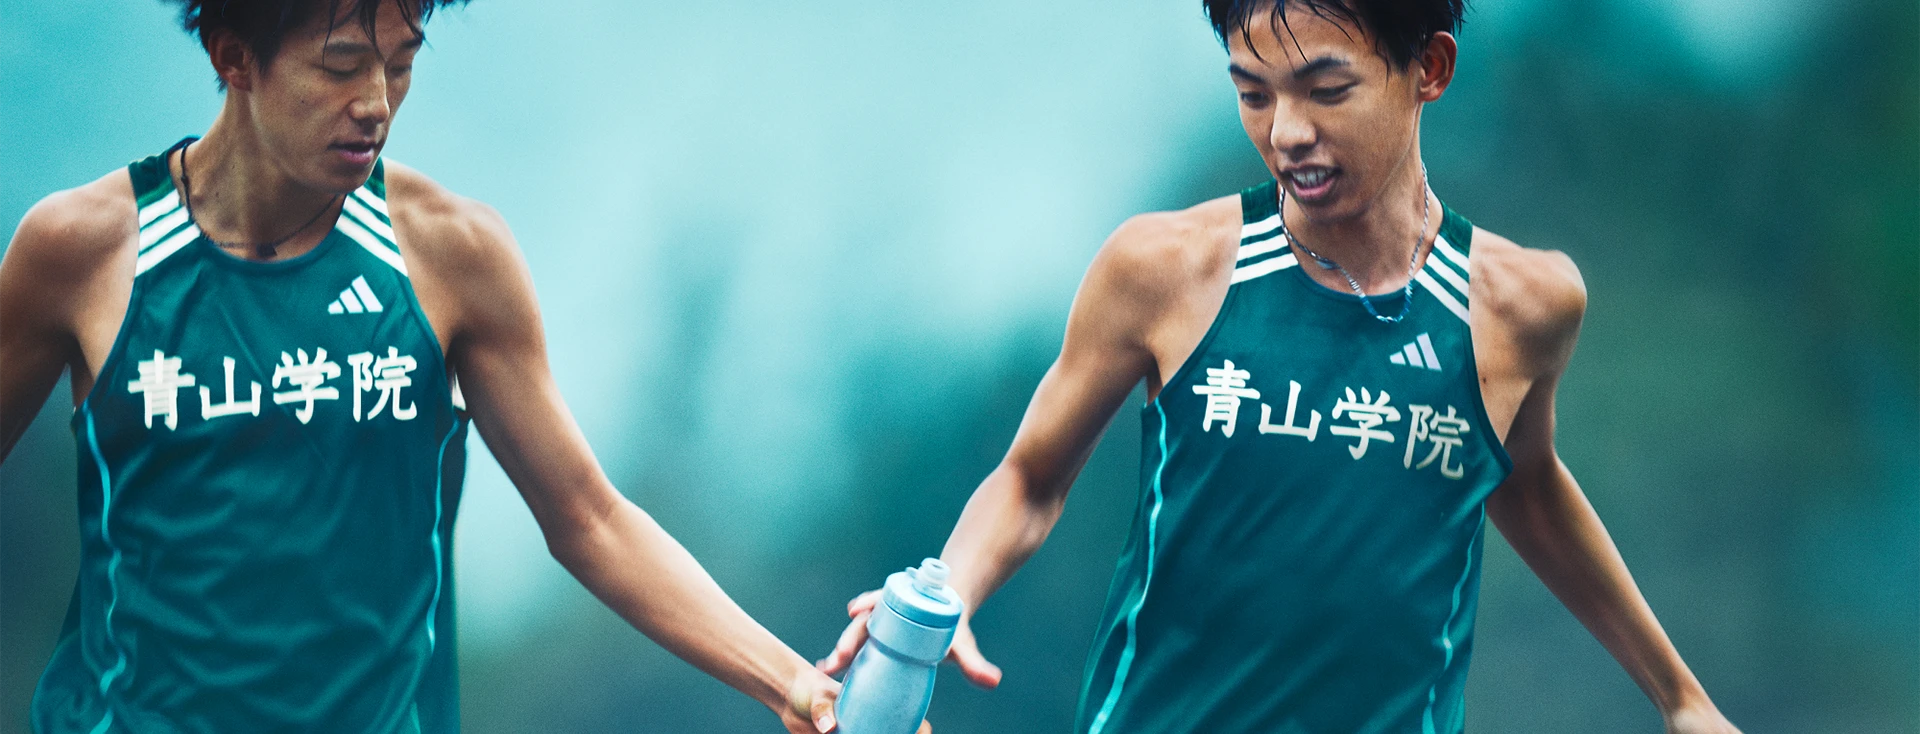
(1262, 247)
(366, 195)
(152, 257)
(352, 229)
(373, 224)
(1439, 292)
(162, 227)
(1440, 268)
(1255, 229)
(1441, 245)
(160, 206)
(1241, 275)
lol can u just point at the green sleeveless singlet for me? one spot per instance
(270, 463)
(1305, 558)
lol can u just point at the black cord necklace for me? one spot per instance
(263, 250)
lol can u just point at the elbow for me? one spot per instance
(1038, 501)
(1533, 468)
(1531, 498)
(578, 538)
(572, 547)
(1028, 491)
(1046, 509)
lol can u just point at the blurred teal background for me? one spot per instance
(803, 263)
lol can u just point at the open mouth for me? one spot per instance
(359, 152)
(1311, 184)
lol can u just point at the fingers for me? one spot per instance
(810, 703)
(863, 603)
(973, 665)
(849, 644)
(855, 635)
(925, 728)
(823, 712)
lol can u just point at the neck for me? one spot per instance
(1375, 245)
(241, 196)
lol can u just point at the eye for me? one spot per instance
(1333, 93)
(339, 74)
(1253, 99)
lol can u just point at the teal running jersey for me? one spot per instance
(1305, 558)
(270, 462)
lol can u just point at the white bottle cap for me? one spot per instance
(931, 575)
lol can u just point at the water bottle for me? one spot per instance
(891, 681)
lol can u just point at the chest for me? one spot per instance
(332, 342)
(1301, 331)
(1285, 372)
(274, 300)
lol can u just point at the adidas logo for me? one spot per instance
(1417, 353)
(357, 298)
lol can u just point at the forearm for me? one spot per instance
(1553, 527)
(1004, 522)
(633, 566)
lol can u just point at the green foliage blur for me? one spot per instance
(803, 263)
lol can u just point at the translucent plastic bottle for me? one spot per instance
(891, 681)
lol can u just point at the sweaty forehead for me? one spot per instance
(1283, 43)
(348, 31)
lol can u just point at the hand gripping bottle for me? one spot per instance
(891, 682)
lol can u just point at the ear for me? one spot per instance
(1436, 66)
(233, 60)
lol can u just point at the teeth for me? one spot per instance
(1311, 178)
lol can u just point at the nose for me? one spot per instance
(1293, 134)
(371, 106)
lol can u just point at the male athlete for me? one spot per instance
(1346, 379)
(270, 333)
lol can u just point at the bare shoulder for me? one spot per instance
(1158, 254)
(75, 234)
(444, 229)
(462, 260)
(1154, 286)
(1534, 295)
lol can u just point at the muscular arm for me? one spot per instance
(613, 547)
(1547, 519)
(1105, 353)
(1136, 304)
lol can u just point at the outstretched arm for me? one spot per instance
(1106, 352)
(612, 546)
(1543, 514)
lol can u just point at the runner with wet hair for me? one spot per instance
(1347, 380)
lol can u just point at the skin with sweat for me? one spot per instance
(1338, 125)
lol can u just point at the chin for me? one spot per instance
(1332, 209)
(342, 181)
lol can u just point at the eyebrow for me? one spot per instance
(1324, 63)
(351, 48)
(1241, 71)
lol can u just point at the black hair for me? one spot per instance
(1400, 28)
(264, 24)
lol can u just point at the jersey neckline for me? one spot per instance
(229, 260)
(1318, 288)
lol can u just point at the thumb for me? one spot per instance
(822, 712)
(973, 665)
